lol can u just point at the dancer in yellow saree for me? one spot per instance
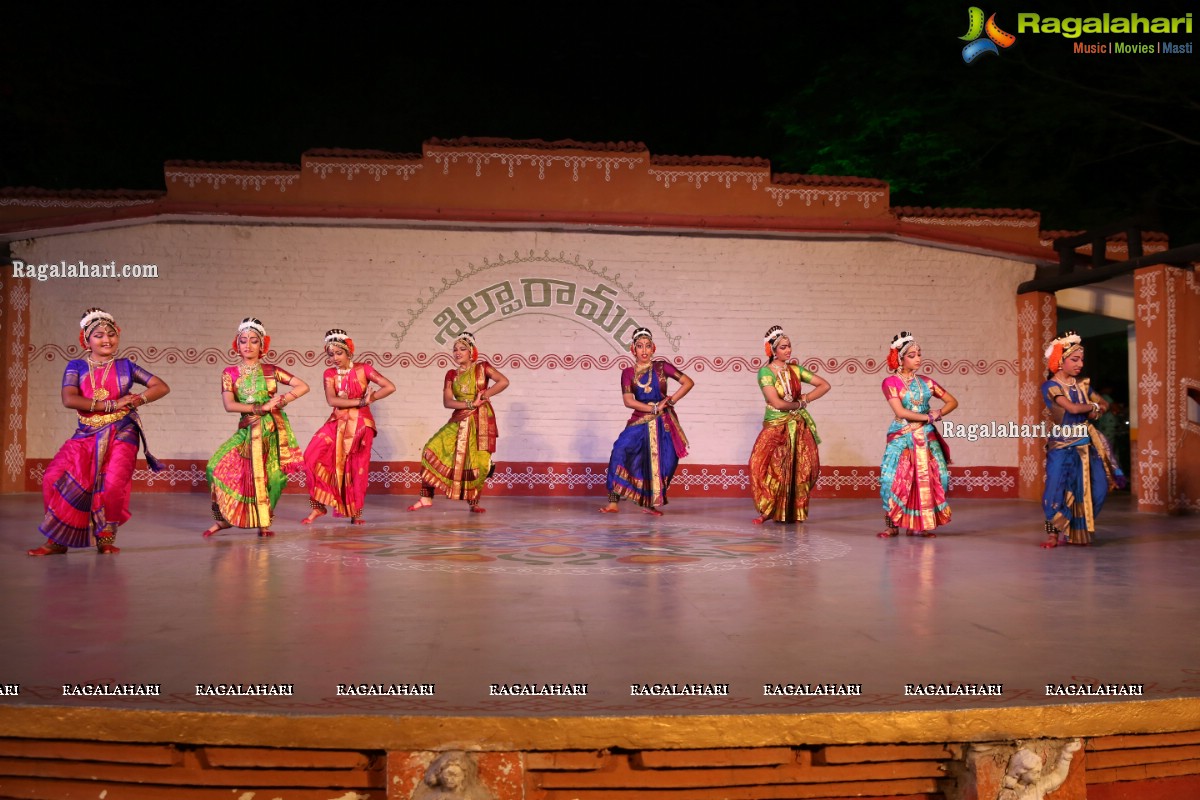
(458, 459)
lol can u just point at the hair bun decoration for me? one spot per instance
(336, 337)
(94, 315)
(92, 319)
(773, 335)
(1066, 342)
(1060, 348)
(252, 324)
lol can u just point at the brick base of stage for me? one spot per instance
(142, 755)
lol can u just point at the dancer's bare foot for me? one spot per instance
(312, 515)
(424, 502)
(48, 549)
(611, 508)
(216, 527)
(654, 512)
(478, 510)
(265, 532)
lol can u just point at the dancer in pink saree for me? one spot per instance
(87, 486)
(337, 461)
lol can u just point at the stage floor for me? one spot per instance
(545, 592)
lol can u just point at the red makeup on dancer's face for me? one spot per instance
(339, 357)
(103, 342)
(462, 353)
(1073, 364)
(249, 344)
(643, 350)
(912, 358)
(783, 348)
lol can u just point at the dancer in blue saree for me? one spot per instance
(1080, 468)
(645, 455)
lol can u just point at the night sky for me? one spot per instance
(97, 100)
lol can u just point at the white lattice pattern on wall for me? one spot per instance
(375, 169)
(218, 179)
(834, 196)
(514, 160)
(700, 177)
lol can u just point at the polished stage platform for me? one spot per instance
(541, 593)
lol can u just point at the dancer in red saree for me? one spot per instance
(337, 461)
(458, 459)
(87, 486)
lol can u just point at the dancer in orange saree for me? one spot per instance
(247, 474)
(784, 464)
(458, 459)
(337, 461)
(914, 477)
(87, 486)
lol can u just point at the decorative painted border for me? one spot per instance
(405, 360)
(565, 479)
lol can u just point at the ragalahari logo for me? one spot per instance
(976, 27)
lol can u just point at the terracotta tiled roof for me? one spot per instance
(709, 161)
(539, 144)
(1147, 236)
(246, 166)
(795, 179)
(377, 155)
(33, 193)
(959, 213)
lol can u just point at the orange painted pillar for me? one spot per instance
(1037, 316)
(1167, 323)
(14, 345)
(1154, 355)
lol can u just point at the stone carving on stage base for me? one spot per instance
(452, 776)
(1036, 769)
(1025, 778)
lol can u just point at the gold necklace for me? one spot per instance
(344, 380)
(649, 373)
(782, 377)
(100, 393)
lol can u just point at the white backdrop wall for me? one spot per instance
(708, 299)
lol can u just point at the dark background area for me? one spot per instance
(99, 98)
